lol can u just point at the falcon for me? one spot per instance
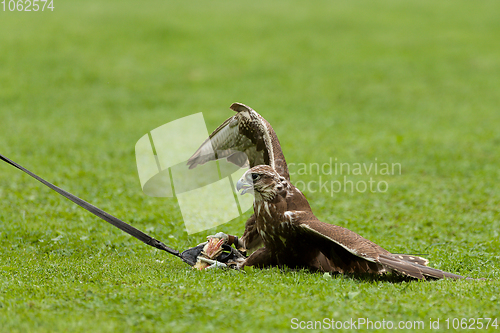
(283, 222)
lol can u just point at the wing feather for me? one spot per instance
(349, 250)
(246, 132)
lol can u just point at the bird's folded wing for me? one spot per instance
(350, 249)
(342, 241)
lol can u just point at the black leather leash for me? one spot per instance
(103, 215)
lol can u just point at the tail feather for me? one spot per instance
(412, 258)
(412, 269)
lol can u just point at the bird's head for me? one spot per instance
(263, 181)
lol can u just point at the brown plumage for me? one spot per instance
(284, 222)
(295, 238)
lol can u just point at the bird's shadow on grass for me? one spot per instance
(371, 278)
(366, 277)
(394, 278)
(358, 277)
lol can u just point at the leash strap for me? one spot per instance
(99, 212)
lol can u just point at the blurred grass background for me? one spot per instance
(414, 83)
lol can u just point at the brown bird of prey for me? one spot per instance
(283, 220)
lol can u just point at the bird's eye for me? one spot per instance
(255, 176)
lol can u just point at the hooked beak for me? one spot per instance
(243, 186)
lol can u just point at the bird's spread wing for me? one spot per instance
(247, 132)
(348, 252)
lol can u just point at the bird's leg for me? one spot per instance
(261, 258)
(251, 239)
(229, 240)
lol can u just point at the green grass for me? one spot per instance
(414, 83)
